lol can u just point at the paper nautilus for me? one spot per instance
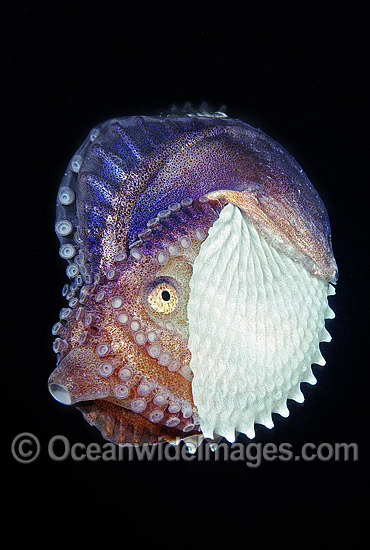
(200, 264)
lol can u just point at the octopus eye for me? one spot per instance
(163, 297)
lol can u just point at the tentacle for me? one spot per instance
(145, 207)
(136, 166)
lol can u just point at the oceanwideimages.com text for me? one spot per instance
(26, 449)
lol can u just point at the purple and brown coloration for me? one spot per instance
(146, 206)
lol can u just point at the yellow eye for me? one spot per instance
(163, 297)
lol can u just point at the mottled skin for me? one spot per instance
(134, 281)
(123, 357)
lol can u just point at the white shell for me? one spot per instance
(256, 318)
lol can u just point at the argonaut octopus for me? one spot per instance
(200, 264)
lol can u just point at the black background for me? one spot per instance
(299, 74)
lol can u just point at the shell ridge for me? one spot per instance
(263, 367)
(195, 209)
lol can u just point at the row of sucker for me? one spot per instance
(88, 292)
(66, 224)
(92, 286)
(98, 171)
(145, 396)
